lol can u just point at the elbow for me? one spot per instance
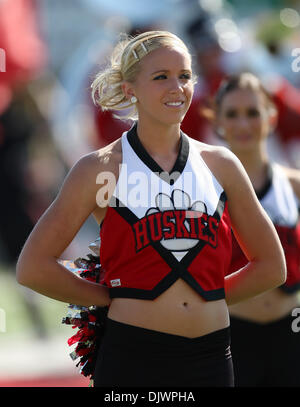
(20, 273)
(282, 269)
(23, 273)
(283, 274)
(278, 273)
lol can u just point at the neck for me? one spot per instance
(256, 163)
(159, 139)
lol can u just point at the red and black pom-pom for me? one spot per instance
(90, 321)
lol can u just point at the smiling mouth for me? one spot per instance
(174, 104)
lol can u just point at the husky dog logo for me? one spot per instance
(176, 223)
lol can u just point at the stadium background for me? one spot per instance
(49, 51)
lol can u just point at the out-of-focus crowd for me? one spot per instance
(50, 51)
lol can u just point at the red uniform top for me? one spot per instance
(160, 227)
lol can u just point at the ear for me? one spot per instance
(273, 117)
(127, 89)
(214, 121)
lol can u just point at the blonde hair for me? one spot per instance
(124, 66)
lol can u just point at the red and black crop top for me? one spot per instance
(282, 206)
(162, 226)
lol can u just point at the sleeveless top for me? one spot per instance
(283, 207)
(162, 226)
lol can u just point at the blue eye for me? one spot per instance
(186, 76)
(158, 77)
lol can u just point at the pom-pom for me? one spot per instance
(90, 321)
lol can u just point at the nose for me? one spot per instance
(175, 85)
(243, 122)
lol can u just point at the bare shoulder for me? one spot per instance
(107, 158)
(294, 178)
(82, 180)
(225, 165)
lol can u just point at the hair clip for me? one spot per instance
(144, 47)
(135, 54)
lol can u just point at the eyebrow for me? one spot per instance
(236, 107)
(167, 70)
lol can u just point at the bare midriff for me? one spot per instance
(179, 310)
(267, 307)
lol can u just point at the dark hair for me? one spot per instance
(244, 80)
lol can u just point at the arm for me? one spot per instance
(37, 267)
(255, 233)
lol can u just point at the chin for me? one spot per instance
(174, 120)
(244, 147)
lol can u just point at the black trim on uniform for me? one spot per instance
(124, 212)
(220, 207)
(211, 295)
(163, 285)
(290, 289)
(128, 292)
(267, 185)
(142, 153)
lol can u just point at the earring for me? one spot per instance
(220, 132)
(133, 99)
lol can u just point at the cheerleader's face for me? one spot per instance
(164, 86)
(244, 119)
